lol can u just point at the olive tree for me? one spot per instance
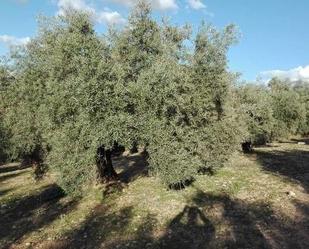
(255, 102)
(288, 110)
(190, 126)
(21, 106)
(5, 80)
(82, 94)
(302, 88)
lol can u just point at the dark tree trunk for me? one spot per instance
(247, 147)
(118, 149)
(219, 108)
(134, 148)
(105, 167)
(36, 161)
(39, 170)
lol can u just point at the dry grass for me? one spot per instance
(256, 201)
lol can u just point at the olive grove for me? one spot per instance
(71, 97)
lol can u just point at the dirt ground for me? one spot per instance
(259, 200)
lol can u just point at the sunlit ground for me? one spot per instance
(257, 201)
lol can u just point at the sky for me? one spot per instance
(274, 33)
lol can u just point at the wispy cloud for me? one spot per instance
(196, 4)
(73, 4)
(9, 40)
(295, 74)
(101, 16)
(156, 4)
(110, 17)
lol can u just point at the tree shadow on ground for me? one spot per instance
(302, 219)
(131, 167)
(102, 224)
(302, 140)
(11, 175)
(12, 167)
(6, 191)
(206, 221)
(293, 164)
(253, 225)
(30, 213)
(195, 227)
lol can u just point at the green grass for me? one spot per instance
(257, 201)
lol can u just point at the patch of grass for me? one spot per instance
(257, 201)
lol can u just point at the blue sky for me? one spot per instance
(274, 42)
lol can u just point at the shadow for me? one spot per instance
(143, 237)
(293, 164)
(241, 220)
(265, 146)
(131, 167)
(11, 175)
(113, 189)
(302, 219)
(303, 140)
(102, 224)
(218, 221)
(128, 168)
(181, 185)
(207, 221)
(31, 213)
(10, 168)
(253, 225)
(5, 191)
(189, 229)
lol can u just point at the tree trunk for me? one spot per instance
(247, 147)
(118, 149)
(219, 109)
(36, 161)
(105, 167)
(39, 170)
(134, 148)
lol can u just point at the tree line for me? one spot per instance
(72, 97)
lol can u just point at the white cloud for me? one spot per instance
(295, 74)
(165, 4)
(196, 4)
(12, 40)
(107, 16)
(156, 4)
(110, 17)
(73, 4)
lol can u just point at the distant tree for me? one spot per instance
(288, 110)
(21, 106)
(255, 102)
(5, 80)
(302, 88)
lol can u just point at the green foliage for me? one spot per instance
(189, 123)
(21, 105)
(256, 103)
(80, 91)
(288, 109)
(302, 88)
(138, 44)
(74, 91)
(3, 132)
(82, 100)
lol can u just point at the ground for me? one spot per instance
(259, 200)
